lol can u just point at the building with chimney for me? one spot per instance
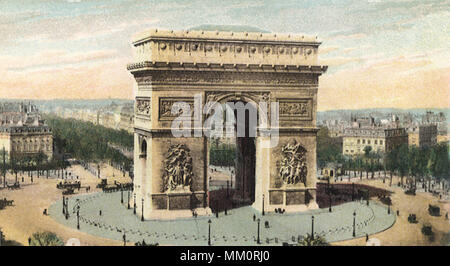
(23, 133)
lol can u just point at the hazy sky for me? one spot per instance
(381, 53)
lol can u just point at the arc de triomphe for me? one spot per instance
(171, 177)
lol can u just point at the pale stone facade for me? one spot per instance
(172, 66)
(23, 132)
(381, 140)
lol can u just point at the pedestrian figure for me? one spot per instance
(367, 237)
(29, 241)
(446, 216)
(100, 213)
(254, 217)
(398, 212)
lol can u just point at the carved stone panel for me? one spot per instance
(178, 173)
(143, 107)
(292, 166)
(166, 103)
(257, 96)
(295, 109)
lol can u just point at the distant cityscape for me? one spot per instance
(382, 130)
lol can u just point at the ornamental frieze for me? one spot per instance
(143, 107)
(217, 96)
(197, 47)
(295, 109)
(226, 78)
(165, 107)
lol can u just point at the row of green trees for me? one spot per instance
(39, 162)
(88, 142)
(404, 160)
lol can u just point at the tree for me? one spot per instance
(45, 239)
(403, 161)
(328, 149)
(391, 163)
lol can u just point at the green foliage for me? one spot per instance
(418, 162)
(222, 155)
(328, 149)
(367, 150)
(89, 142)
(317, 241)
(45, 239)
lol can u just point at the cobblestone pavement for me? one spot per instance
(235, 228)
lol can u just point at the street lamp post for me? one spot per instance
(78, 217)
(209, 232)
(128, 199)
(329, 196)
(64, 205)
(263, 204)
(134, 204)
(258, 241)
(312, 227)
(121, 195)
(142, 217)
(354, 221)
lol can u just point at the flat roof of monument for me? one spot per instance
(224, 36)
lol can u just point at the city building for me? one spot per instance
(427, 135)
(23, 132)
(438, 119)
(127, 118)
(423, 135)
(380, 140)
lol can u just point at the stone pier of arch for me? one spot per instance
(170, 178)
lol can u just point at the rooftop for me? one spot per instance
(224, 35)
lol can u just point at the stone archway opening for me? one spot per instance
(232, 158)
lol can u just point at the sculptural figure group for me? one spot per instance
(178, 168)
(293, 168)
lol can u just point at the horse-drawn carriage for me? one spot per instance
(68, 191)
(69, 185)
(116, 186)
(4, 202)
(127, 186)
(16, 185)
(434, 210)
(410, 191)
(103, 183)
(412, 218)
(111, 188)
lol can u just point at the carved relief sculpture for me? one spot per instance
(178, 169)
(165, 107)
(143, 107)
(293, 168)
(296, 109)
